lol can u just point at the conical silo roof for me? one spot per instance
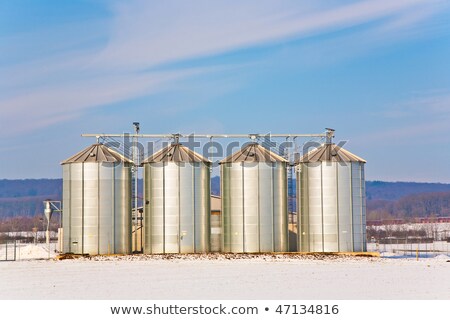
(97, 153)
(330, 152)
(253, 152)
(176, 152)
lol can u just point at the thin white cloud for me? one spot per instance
(145, 34)
(425, 104)
(65, 101)
(77, 73)
(424, 118)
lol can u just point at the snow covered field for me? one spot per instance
(263, 277)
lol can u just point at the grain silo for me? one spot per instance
(331, 200)
(97, 202)
(254, 201)
(177, 201)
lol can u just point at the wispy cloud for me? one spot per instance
(435, 103)
(144, 34)
(55, 102)
(85, 70)
(423, 118)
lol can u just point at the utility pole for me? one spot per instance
(136, 177)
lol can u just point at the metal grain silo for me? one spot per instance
(97, 202)
(331, 201)
(177, 201)
(254, 201)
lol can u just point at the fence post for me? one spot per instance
(417, 253)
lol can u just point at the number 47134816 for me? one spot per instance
(304, 309)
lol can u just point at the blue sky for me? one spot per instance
(376, 71)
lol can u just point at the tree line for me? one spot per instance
(435, 204)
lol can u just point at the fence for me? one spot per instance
(411, 249)
(8, 250)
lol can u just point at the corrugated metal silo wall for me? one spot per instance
(97, 208)
(122, 208)
(254, 207)
(177, 215)
(331, 201)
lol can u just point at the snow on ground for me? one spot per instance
(26, 251)
(226, 277)
(442, 257)
(430, 228)
(32, 252)
(424, 250)
(389, 254)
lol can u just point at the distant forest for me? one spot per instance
(404, 200)
(385, 200)
(24, 198)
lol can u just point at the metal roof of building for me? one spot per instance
(176, 152)
(330, 152)
(96, 153)
(253, 152)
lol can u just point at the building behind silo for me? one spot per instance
(254, 201)
(177, 201)
(331, 201)
(97, 202)
(216, 223)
